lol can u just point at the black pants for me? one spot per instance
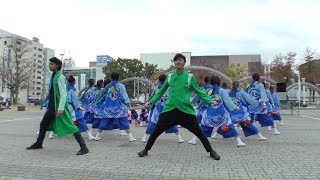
(48, 117)
(174, 117)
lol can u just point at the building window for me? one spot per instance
(18, 42)
(38, 93)
(39, 61)
(33, 82)
(5, 42)
(35, 48)
(39, 49)
(40, 56)
(34, 54)
(38, 88)
(38, 77)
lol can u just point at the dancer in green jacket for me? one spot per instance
(178, 108)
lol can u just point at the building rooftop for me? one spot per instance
(4, 33)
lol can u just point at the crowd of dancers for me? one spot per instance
(104, 106)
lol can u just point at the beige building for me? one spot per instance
(47, 54)
(33, 58)
(252, 62)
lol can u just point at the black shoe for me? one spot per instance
(34, 146)
(214, 155)
(83, 150)
(143, 153)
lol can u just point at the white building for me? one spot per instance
(163, 60)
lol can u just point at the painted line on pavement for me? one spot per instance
(312, 117)
(20, 119)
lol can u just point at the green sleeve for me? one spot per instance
(159, 94)
(202, 95)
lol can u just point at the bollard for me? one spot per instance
(21, 108)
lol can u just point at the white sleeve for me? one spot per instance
(63, 92)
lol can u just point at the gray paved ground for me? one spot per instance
(294, 154)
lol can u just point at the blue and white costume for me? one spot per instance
(87, 98)
(74, 105)
(115, 107)
(242, 117)
(155, 111)
(271, 102)
(97, 110)
(218, 116)
(196, 101)
(258, 92)
(275, 111)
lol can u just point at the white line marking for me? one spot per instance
(311, 117)
(20, 119)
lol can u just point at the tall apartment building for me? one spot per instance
(37, 77)
(32, 55)
(47, 54)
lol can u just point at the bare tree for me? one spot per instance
(16, 66)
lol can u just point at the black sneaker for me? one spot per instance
(214, 155)
(143, 153)
(34, 146)
(83, 150)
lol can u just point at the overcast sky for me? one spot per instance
(83, 29)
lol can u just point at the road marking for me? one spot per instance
(20, 119)
(311, 117)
